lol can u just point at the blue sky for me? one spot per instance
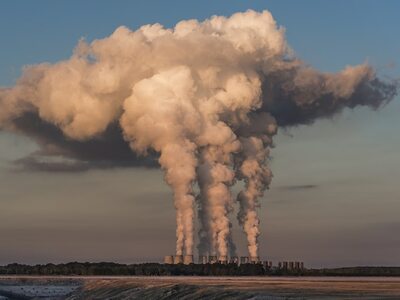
(347, 215)
(326, 34)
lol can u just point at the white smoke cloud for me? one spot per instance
(207, 96)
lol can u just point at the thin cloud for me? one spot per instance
(298, 187)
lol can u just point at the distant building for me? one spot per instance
(267, 265)
(297, 265)
(212, 259)
(203, 259)
(254, 259)
(234, 260)
(223, 259)
(244, 260)
(291, 265)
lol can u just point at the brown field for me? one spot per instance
(211, 287)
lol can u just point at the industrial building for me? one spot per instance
(234, 260)
(223, 260)
(244, 260)
(203, 259)
(291, 265)
(213, 259)
(267, 265)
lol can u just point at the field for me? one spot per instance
(255, 288)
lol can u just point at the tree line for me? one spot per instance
(146, 269)
(155, 269)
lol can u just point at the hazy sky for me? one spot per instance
(335, 197)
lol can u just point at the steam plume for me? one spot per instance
(252, 167)
(205, 98)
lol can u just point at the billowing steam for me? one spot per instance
(205, 98)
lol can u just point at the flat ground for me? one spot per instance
(206, 287)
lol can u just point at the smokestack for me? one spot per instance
(169, 259)
(188, 259)
(178, 259)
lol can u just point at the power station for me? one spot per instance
(213, 259)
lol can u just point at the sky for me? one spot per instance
(334, 199)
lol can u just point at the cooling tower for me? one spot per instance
(285, 264)
(178, 259)
(188, 259)
(297, 265)
(291, 265)
(301, 265)
(168, 259)
(212, 259)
